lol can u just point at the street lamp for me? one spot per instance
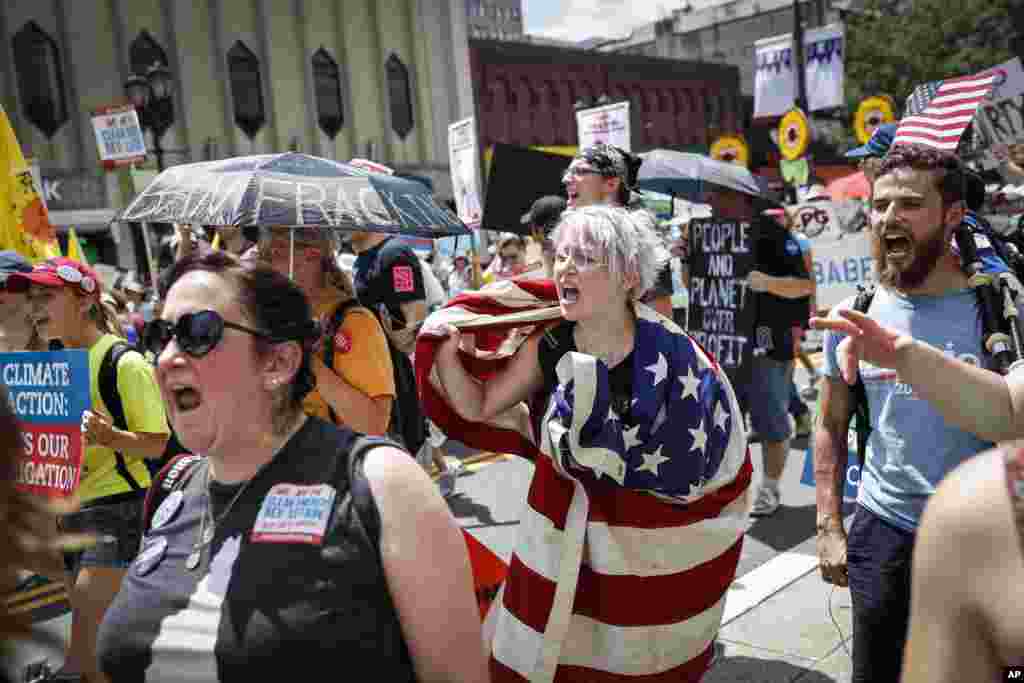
(152, 96)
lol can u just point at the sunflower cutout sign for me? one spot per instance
(871, 113)
(732, 149)
(794, 134)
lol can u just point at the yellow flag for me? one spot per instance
(24, 223)
(75, 251)
(215, 245)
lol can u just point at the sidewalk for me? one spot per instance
(790, 636)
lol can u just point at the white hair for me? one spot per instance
(627, 239)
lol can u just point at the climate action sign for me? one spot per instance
(48, 392)
(722, 308)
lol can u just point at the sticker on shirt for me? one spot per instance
(342, 342)
(167, 509)
(150, 555)
(792, 248)
(294, 514)
(402, 279)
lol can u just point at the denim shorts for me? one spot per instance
(765, 395)
(118, 527)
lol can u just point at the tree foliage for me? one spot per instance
(894, 45)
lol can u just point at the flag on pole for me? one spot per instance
(937, 113)
(24, 223)
(633, 524)
(75, 250)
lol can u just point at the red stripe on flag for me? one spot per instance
(623, 600)
(528, 595)
(928, 136)
(550, 491)
(690, 672)
(617, 506)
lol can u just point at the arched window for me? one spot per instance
(145, 53)
(40, 79)
(399, 96)
(246, 89)
(327, 91)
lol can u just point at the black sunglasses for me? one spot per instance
(198, 333)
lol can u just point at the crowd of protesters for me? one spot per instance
(192, 580)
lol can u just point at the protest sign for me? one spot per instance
(608, 124)
(1000, 117)
(49, 392)
(840, 248)
(722, 308)
(775, 78)
(119, 137)
(464, 158)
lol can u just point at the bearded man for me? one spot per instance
(917, 203)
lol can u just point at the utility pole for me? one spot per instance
(798, 57)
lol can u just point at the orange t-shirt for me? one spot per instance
(361, 358)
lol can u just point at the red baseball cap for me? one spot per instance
(57, 272)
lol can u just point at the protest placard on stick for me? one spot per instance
(49, 392)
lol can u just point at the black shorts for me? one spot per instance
(116, 521)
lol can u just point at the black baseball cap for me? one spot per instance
(545, 212)
(12, 262)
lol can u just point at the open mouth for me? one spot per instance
(896, 246)
(185, 398)
(570, 295)
(572, 195)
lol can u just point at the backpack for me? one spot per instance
(407, 424)
(112, 398)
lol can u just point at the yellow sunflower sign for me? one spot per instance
(871, 113)
(794, 134)
(24, 223)
(732, 149)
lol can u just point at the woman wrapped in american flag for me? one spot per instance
(635, 516)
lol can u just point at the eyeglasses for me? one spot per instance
(576, 172)
(582, 261)
(198, 333)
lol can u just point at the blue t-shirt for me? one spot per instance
(911, 447)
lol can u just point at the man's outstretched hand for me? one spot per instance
(866, 340)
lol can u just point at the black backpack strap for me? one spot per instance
(861, 412)
(174, 476)
(359, 485)
(333, 325)
(112, 399)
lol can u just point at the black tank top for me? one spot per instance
(269, 600)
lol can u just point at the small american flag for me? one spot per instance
(937, 113)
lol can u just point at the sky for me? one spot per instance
(578, 20)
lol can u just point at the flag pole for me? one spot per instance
(149, 254)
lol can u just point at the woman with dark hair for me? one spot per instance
(355, 383)
(287, 544)
(66, 306)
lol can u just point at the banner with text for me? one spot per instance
(608, 124)
(775, 71)
(48, 391)
(464, 159)
(119, 136)
(722, 309)
(840, 248)
(1000, 118)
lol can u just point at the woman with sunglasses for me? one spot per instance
(283, 551)
(639, 439)
(358, 389)
(66, 306)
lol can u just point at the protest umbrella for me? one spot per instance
(687, 175)
(295, 191)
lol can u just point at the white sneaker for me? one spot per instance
(767, 502)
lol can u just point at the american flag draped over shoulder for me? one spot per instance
(631, 534)
(937, 113)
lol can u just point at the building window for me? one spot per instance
(327, 87)
(40, 79)
(246, 89)
(399, 96)
(144, 53)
